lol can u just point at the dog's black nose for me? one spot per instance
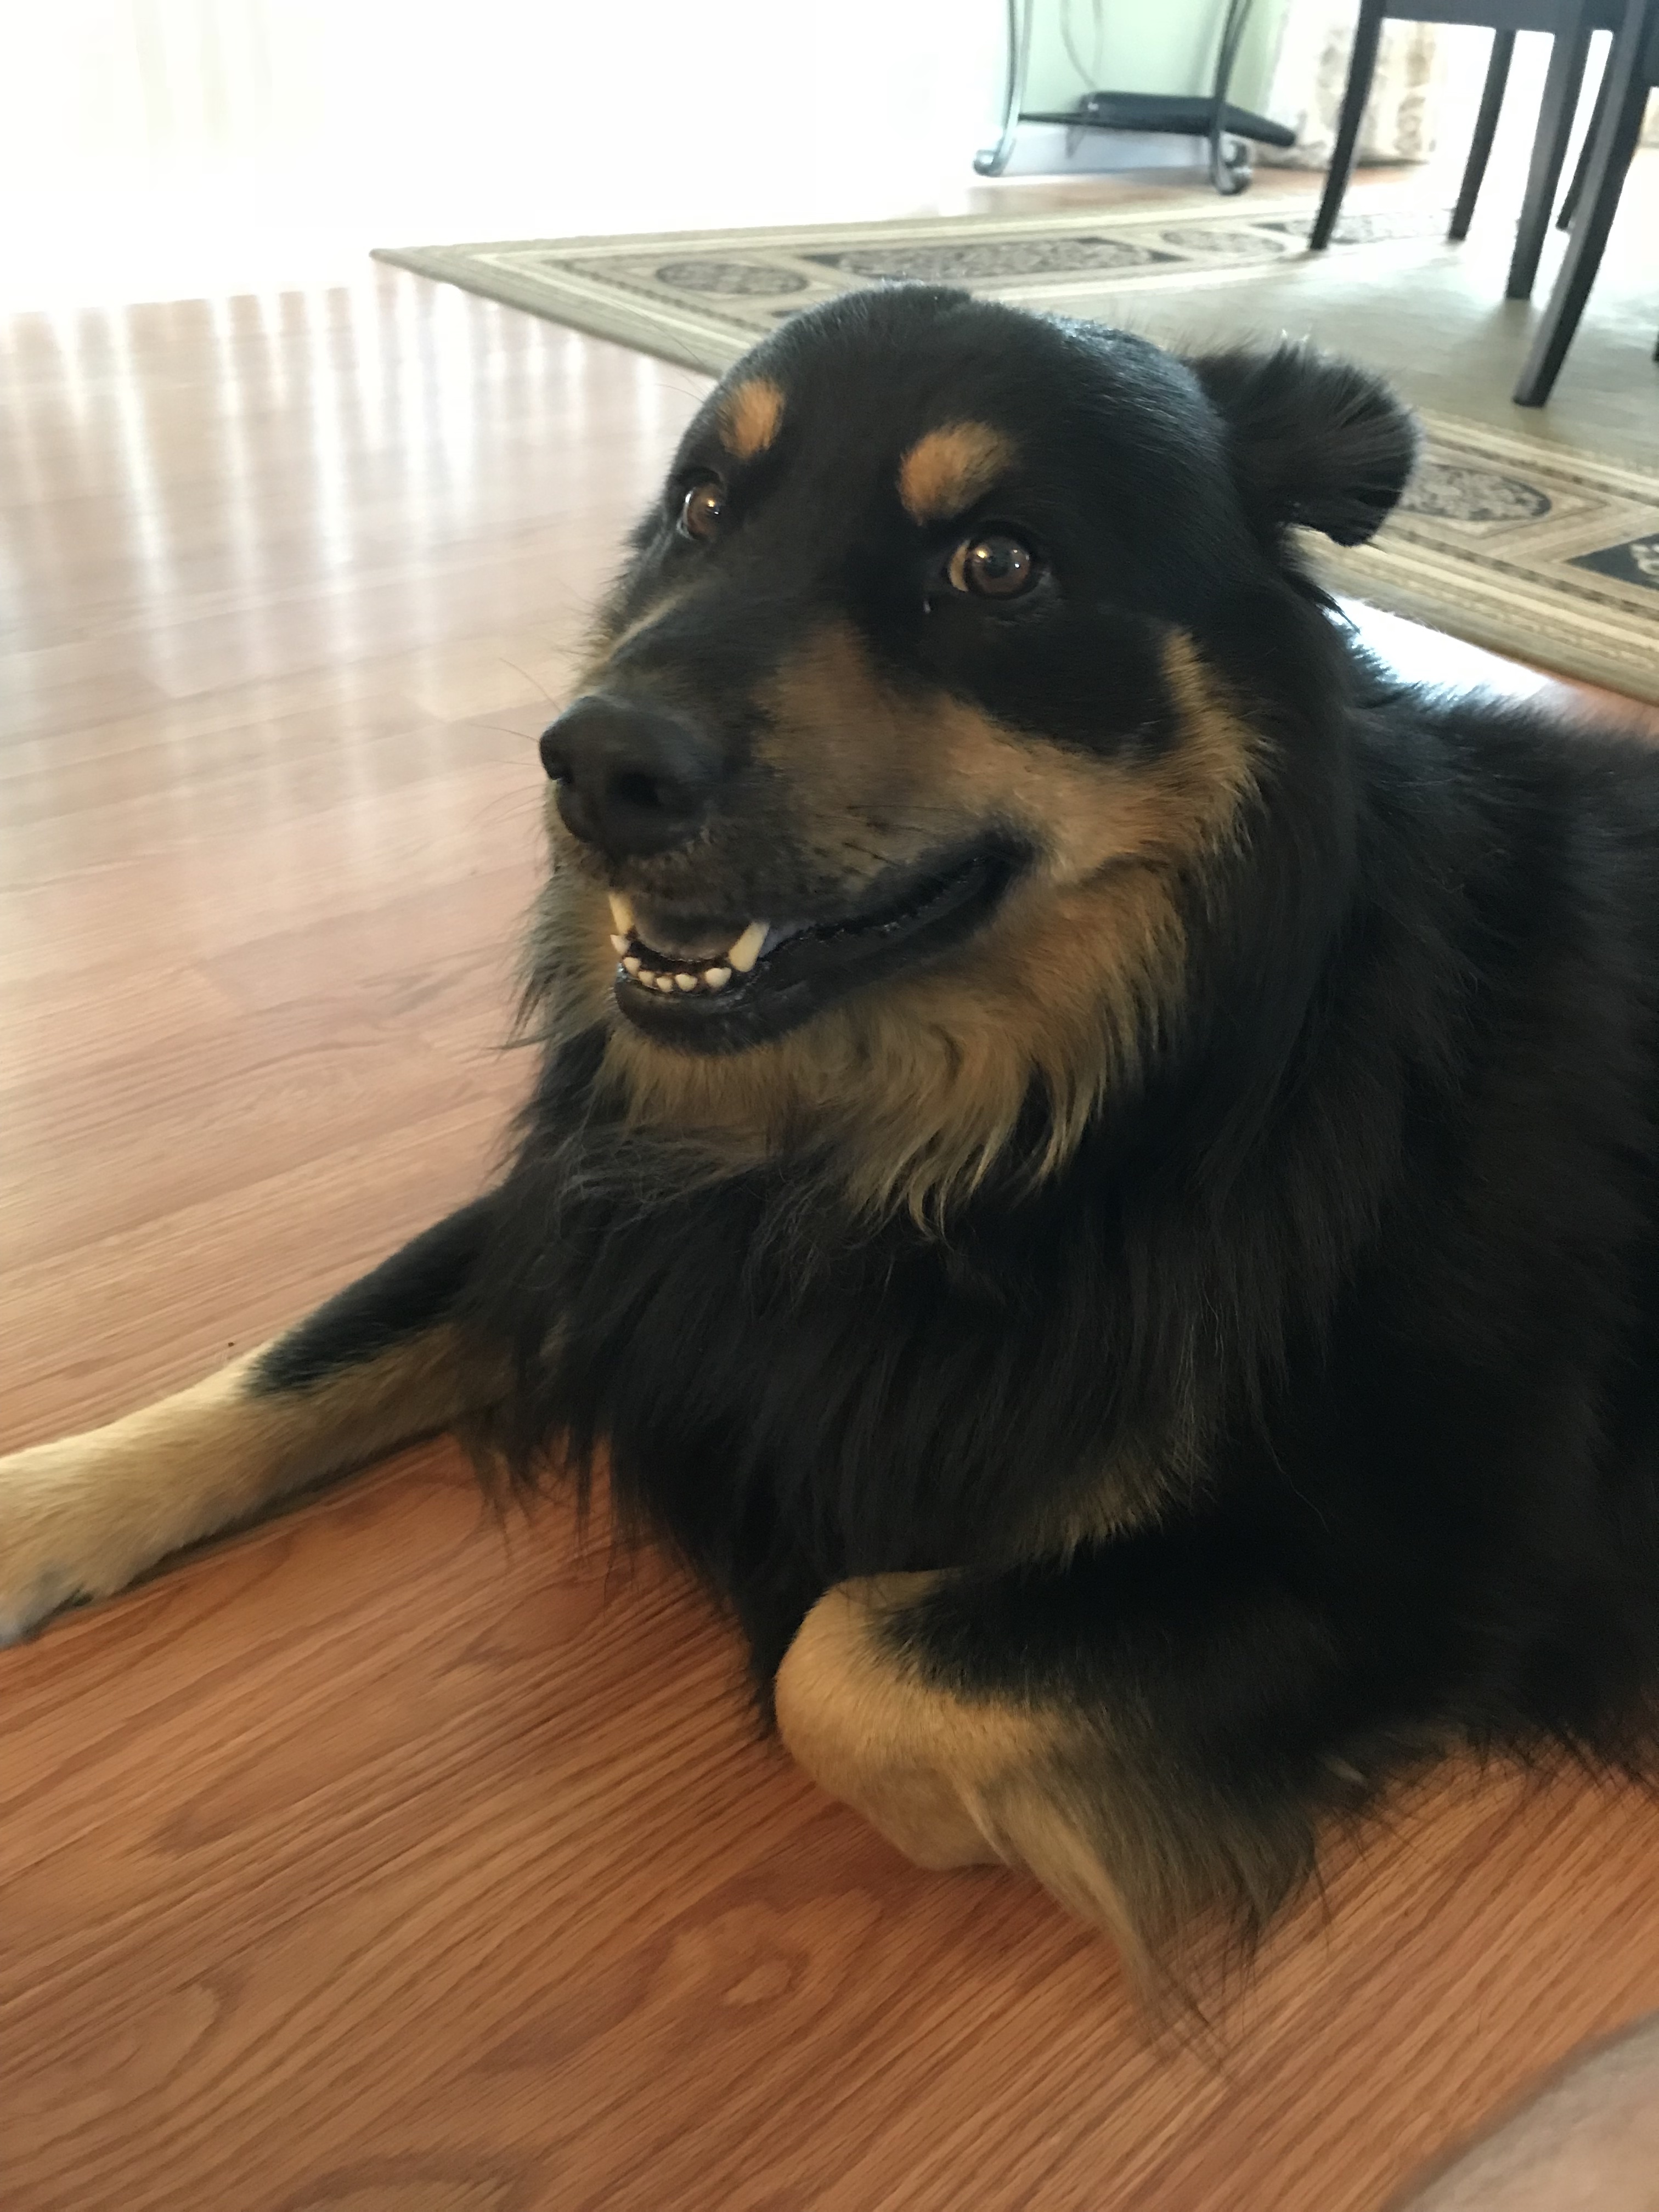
(632, 779)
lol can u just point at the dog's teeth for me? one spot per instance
(622, 943)
(747, 951)
(686, 983)
(663, 983)
(622, 913)
(716, 979)
(633, 963)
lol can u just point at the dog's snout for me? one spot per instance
(631, 779)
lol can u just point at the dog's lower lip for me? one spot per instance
(774, 975)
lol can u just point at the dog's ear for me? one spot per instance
(1312, 439)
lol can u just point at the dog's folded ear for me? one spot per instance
(1312, 439)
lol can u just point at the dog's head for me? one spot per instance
(938, 677)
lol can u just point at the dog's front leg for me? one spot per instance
(952, 1771)
(1149, 1762)
(377, 1366)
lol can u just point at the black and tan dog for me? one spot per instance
(1095, 1168)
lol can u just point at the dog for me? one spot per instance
(1094, 1165)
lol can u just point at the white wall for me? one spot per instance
(158, 149)
(154, 148)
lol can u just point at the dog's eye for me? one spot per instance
(702, 512)
(993, 568)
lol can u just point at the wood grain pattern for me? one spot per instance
(385, 1859)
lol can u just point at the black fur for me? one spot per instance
(1362, 1270)
(413, 1290)
(1322, 444)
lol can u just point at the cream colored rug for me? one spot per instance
(1535, 531)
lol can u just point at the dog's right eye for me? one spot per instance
(994, 566)
(702, 512)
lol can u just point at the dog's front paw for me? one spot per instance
(64, 1533)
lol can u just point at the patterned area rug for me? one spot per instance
(704, 297)
(1524, 543)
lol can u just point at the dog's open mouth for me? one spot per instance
(764, 977)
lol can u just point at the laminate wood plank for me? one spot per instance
(338, 752)
(91, 1332)
(57, 918)
(136, 1138)
(501, 674)
(437, 964)
(54, 1027)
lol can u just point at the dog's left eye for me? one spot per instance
(995, 566)
(702, 512)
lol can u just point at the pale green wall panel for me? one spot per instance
(1150, 45)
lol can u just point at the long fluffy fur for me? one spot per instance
(1295, 1422)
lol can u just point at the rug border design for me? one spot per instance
(630, 316)
(1494, 600)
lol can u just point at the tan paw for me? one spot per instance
(66, 1531)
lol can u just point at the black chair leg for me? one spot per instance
(1485, 130)
(1361, 64)
(1562, 85)
(1615, 144)
(1569, 201)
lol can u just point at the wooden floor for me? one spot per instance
(383, 1860)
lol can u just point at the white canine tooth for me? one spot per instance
(717, 978)
(663, 983)
(622, 943)
(622, 913)
(633, 964)
(747, 951)
(686, 983)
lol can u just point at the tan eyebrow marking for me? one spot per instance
(949, 468)
(750, 416)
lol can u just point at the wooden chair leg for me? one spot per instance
(1575, 189)
(1485, 130)
(1361, 64)
(1628, 75)
(1562, 85)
